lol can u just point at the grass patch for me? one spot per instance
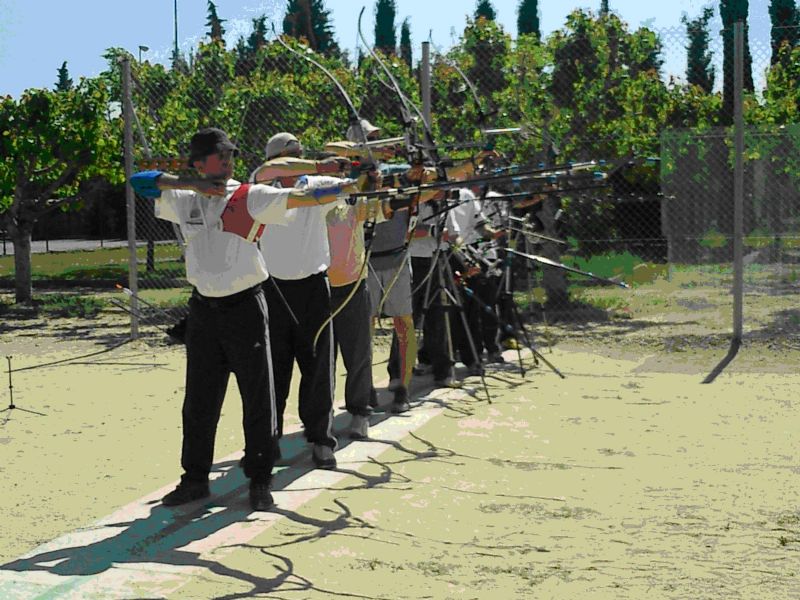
(103, 263)
(607, 303)
(69, 305)
(612, 264)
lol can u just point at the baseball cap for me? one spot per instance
(366, 126)
(279, 143)
(209, 141)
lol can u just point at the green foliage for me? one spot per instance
(714, 238)
(758, 238)
(310, 20)
(379, 102)
(215, 29)
(385, 36)
(485, 10)
(609, 264)
(528, 18)
(606, 88)
(489, 46)
(52, 142)
(64, 82)
(405, 43)
(69, 305)
(699, 70)
(272, 91)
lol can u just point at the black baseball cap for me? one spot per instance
(209, 141)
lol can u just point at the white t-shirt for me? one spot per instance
(468, 216)
(219, 263)
(424, 247)
(496, 211)
(300, 248)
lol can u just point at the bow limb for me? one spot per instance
(355, 119)
(429, 149)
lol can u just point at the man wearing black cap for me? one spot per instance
(221, 221)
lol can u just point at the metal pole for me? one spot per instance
(175, 51)
(738, 178)
(130, 198)
(425, 81)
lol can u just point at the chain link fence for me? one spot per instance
(595, 91)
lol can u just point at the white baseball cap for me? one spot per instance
(280, 143)
(366, 126)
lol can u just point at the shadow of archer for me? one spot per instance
(160, 536)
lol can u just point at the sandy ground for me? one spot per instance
(627, 479)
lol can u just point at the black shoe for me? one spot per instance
(400, 403)
(187, 491)
(323, 457)
(260, 496)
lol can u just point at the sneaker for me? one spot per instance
(496, 358)
(511, 344)
(359, 427)
(394, 385)
(475, 369)
(186, 491)
(323, 457)
(261, 496)
(400, 403)
(423, 369)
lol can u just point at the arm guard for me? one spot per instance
(144, 183)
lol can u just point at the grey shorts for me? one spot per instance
(398, 303)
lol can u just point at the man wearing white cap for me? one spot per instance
(298, 295)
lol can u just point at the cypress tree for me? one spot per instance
(215, 29)
(699, 70)
(64, 82)
(405, 43)
(258, 37)
(244, 59)
(528, 18)
(385, 36)
(310, 19)
(603, 7)
(732, 11)
(486, 10)
(785, 19)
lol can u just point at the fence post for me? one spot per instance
(738, 179)
(130, 197)
(425, 81)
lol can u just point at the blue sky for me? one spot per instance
(36, 36)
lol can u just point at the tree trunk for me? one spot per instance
(554, 280)
(23, 286)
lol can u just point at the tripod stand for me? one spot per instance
(512, 324)
(445, 296)
(507, 327)
(11, 405)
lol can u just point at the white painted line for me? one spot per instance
(132, 561)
